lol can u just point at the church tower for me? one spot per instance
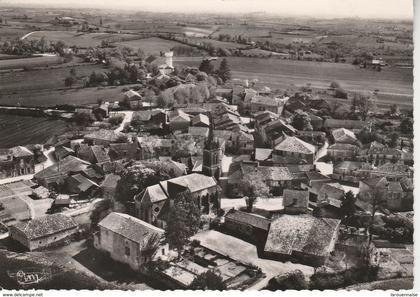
(212, 155)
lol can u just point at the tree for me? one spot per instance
(341, 93)
(165, 99)
(208, 280)
(69, 81)
(406, 126)
(302, 121)
(82, 119)
(335, 85)
(100, 211)
(183, 221)
(73, 72)
(394, 109)
(134, 179)
(224, 70)
(254, 186)
(363, 104)
(206, 66)
(393, 139)
(348, 207)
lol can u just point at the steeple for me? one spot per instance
(212, 154)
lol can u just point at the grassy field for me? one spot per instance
(150, 46)
(217, 43)
(78, 39)
(66, 96)
(394, 84)
(30, 62)
(22, 130)
(36, 80)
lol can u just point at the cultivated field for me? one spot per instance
(30, 62)
(36, 80)
(151, 45)
(80, 39)
(66, 96)
(22, 130)
(216, 43)
(394, 84)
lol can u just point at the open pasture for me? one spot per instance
(80, 39)
(394, 84)
(23, 130)
(150, 46)
(216, 43)
(42, 61)
(64, 96)
(15, 82)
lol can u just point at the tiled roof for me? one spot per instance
(349, 124)
(200, 119)
(100, 153)
(20, 151)
(349, 165)
(105, 134)
(46, 225)
(301, 233)
(198, 131)
(343, 134)
(343, 146)
(155, 193)
(262, 154)
(83, 183)
(63, 167)
(394, 187)
(248, 218)
(110, 181)
(194, 182)
(130, 227)
(132, 93)
(296, 145)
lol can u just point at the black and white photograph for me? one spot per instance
(206, 145)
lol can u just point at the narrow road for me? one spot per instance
(128, 115)
(23, 37)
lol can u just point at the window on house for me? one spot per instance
(163, 252)
(127, 249)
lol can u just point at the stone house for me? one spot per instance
(16, 161)
(292, 150)
(247, 225)
(44, 231)
(342, 151)
(129, 240)
(301, 238)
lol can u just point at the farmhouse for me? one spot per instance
(292, 150)
(301, 238)
(104, 137)
(262, 103)
(342, 151)
(343, 135)
(347, 124)
(128, 240)
(16, 161)
(250, 226)
(57, 173)
(44, 231)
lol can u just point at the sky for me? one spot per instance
(313, 8)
